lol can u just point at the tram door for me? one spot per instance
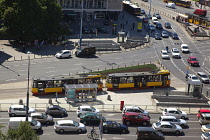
(164, 80)
(41, 86)
(144, 81)
(115, 82)
(136, 82)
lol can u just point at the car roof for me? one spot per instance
(52, 106)
(204, 110)
(206, 114)
(36, 114)
(184, 45)
(64, 121)
(131, 113)
(131, 107)
(90, 114)
(168, 117)
(164, 31)
(83, 106)
(164, 51)
(17, 106)
(192, 57)
(145, 129)
(201, 73)
(165, 123)
(171, 109)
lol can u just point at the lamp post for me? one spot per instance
(27, 94)
(81, 22)
(150, 6)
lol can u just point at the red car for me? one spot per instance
(193, 61)
(135, 118)
(202, 111)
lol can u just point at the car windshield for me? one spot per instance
(75, 123)
(165, 53)
(204, 76)
(93, 108)
(206, 134)
(173, 125)
(44, 116)
(180, 112)
(193, 59)
(155, 19)
(168, 24)
(176, 51)
(194, 78)
(185, 47)
(158, 124)
(34, 122)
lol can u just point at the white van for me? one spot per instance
(171, 5)
(154, 20)
(14, 122)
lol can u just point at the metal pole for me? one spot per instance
(150, 6)
(27, 95)
(81, 22)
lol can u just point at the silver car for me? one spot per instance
(167, 127)
(69, 125)
(205, 136)
(42, 118)
(173, 120)
(19, 110)
(203, 77)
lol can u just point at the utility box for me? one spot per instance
(121, 37)
(195, 87)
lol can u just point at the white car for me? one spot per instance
(69, 125)
(167, 127)
(86, 109)
(19, 110)
(135, 109)
(205, 128)
(184, 48)
(175, 53)
(173, 120)
(203, 77)
(175, 112)
(205, 136)
(193, 77)
(154, 20)
(164, 54)
(63, 54)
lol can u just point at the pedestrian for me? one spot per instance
(56, 96)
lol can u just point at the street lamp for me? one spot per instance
(81, 22)
(27, 94)
(150, 5)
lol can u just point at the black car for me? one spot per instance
(85, 51)
(91, 118)
(55, 110)
(157, 36)
(86, 30)
(102, 30)
(175, 36)
(159, 25)
(148, 133)
(167, 25)
(114, 127)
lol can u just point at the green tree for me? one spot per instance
(24, 132)
(28, 20)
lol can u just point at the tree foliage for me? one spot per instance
(28, 20)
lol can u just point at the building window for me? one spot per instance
(89, 3)
(77, 3)
(101, 4)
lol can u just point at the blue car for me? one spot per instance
(114, 127)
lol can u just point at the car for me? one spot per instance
(63, 54)
(143, 11)
(193, 77)
(55, 110)
(203, 77)
(42, 118)
(185, 48)
(205, 128)
(148, 16)
(164, 54)
(200, 111)
(151, 27)
(145, 0)
(175, 53)
(86, 30)
(159, 25)
(175, 36)
(157, 36)
(175, 112)
(148, 133)
(81, 110)
(135, 109)
(129, 118)
(204, 118)
(157, 15)
(114, 127)
(154, 20)
(145, 20)
(167, 127)
(69, 125)
(170, 5)
(19, 110)
(173, 120)
(205, 136)
(103, 30)
(193, 61)
(167, 25)
(91, 118)
(164, 34)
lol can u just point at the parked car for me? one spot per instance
(145, 20)
(193, 61)
(159, 25)
(175, 53)
(91, 118)
(205, 128)
(154, 20)
(151, 27)
(157, 15)
(173, 120)
(81, 110)
(205, 136)
(157, 36)
(203, 77)
(19, 110)
(114, 127)
(170, 5)
(143, 11)
(167, 25)
(69, 125)
(103, 30)
(185, 48)
(129, 118)
(55, 110)
(148, 133)
(42, 118)
(193, 77)
(63, 54)
(164, 54)
(200, 111)
(135, 109)
(175, 36)
(86, 30)
(204, 118)
(164, 34)
(175, 112)
(167, 127)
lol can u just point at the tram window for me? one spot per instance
(123, 79)
(49, 84)
(40, 85)
(109, 80)
(130, 80)
(34, 85)
(57, 83)
(81, 81)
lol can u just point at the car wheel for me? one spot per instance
(144, 123)
(183, 117)
(61, 131)
(182, 125)
(12, 115)
(47, 122)
(127, 122)
(79, 115)
(124, 131)
(60, 57)
(62, 114)
(79, 130)
(105, 131)
(177, 132)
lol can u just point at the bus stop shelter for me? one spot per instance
(80, 92)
